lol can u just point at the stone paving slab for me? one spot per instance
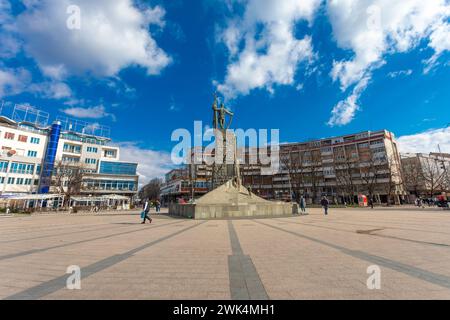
(299, 257)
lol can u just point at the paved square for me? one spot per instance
(308, 257)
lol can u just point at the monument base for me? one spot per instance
(231, 201)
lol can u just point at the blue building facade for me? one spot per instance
(48, 165)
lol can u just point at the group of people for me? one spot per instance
(145, 215)
(325, 203)
(430, 202)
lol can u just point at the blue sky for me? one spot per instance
(310, 68)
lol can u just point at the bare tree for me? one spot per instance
(433, 174)
(395, 178)
(316, 174)
(151, 190)
(67, 179)
(345, 180)
(292, 163)
(370, 170)
(413, 175)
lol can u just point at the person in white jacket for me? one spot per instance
(146, 212)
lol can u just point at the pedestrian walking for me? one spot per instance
(303, 204)
(325, 204)
(146, 211)
(158, 206)
(371, 202)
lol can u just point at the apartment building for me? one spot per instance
(341, 168)
(426, 175)
(30, 155)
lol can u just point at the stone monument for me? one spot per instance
(228, 198)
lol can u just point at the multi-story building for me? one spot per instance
(426, 175)
(32, 153)
(342, 168)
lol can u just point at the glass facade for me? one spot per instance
(110, 185)
(118, 168)
(49, 161)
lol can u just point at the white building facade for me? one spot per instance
(29, 154)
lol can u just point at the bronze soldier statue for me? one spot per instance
(220, 115)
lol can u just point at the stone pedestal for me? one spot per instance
(231, 201)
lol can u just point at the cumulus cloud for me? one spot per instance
(97, 112)
(373, 28)
(263, 48)
(51, 89)
(113, 35)
(13, 81)
(152, 164)
(426, 142)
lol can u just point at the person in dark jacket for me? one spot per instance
(371, 202)
(325, 204)
(303, 204)
(145, 213)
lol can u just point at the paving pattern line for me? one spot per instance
(28, 252)
(108, 226)
(245, 283)
(372, 233)
(51, 286)
(418, 273)
(378, 226)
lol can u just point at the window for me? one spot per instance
(363, 145)
(35, 140)
(110, 153)
(23, 138)
(90, 161)
(110, 185)
(38, 169)
(92, 149)
(72, 148)
(28, 182)
(118, 168)
(32, 154)
(9, 135)
(22, 168)
(11, 180)
(3, 166)
(20, 181)
(36, 182)
(70, 159)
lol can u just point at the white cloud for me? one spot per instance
(426, 142)
(152, 164)
(97, 112)
(395, 74)
(51, 89)
(13, 81)
(344, 112)
(373, 28)
(440, 42)
(263, 49)
(113, 35)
